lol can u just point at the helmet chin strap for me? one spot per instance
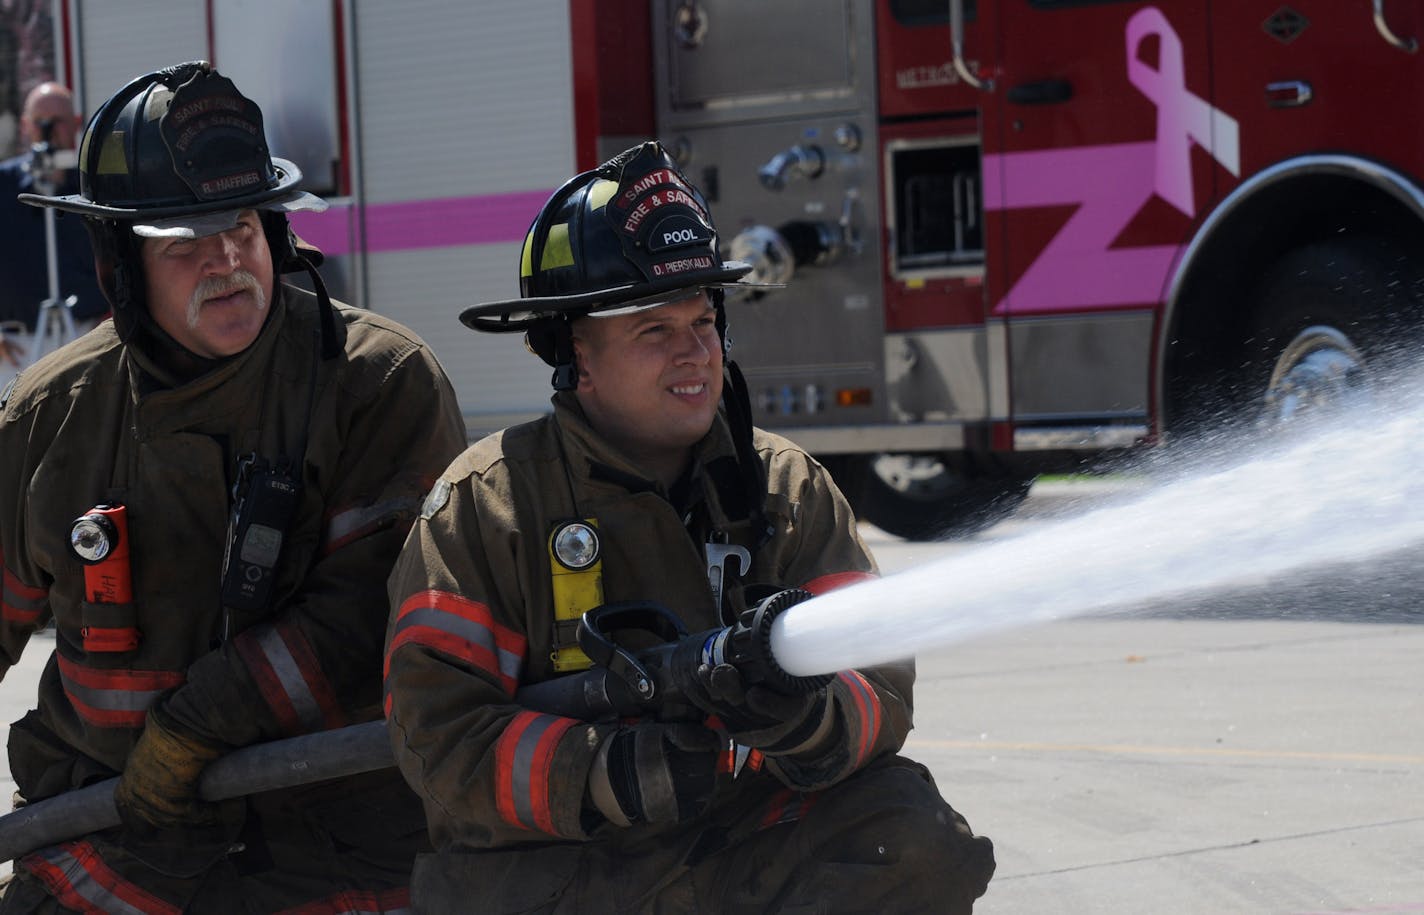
(565, 376)
(330, 344)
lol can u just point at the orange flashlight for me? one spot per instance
(99, 538)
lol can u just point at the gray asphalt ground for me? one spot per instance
(1259, 751)
(1251, 752)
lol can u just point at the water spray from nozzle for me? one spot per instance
(1350, 490)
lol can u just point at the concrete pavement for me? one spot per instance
(1258, 751)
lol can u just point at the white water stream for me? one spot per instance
(1349, 492)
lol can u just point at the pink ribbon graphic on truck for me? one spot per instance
(1110, 184)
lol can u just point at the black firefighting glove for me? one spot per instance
(654, 772)
(754, 715)
(166, 824)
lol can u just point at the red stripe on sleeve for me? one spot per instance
(539, 774)
(129, 680)
(268, 684)
(456, 647)
(505, 640)
(22, 590)
(504, 766)
(524, 757)
(80, 880)
(868, 709)
(316, 680)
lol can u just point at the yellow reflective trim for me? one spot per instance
(575, 592)
(601, 192)
(571, 658)
(111, 155)
(557, 251)
(526, 254)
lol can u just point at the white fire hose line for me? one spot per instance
(1349, 493)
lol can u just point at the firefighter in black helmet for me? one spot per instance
(649, 485)
(259, 451)
(151, 169)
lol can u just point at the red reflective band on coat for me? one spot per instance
(290, 678)
(523, 755)
(20, 603)
(103, 638)
(463, 629)
(357, 902)
(113, 698)
(836, 580)
(75, 875)
(352, 524)
(786, 806)
(863, 718)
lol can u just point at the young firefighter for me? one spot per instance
(259, 453)
(648, 483)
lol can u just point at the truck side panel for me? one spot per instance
(464, 125)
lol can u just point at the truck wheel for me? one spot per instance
(919, 497)
(1331, 319)
(1318, 370)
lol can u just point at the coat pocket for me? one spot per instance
(109, 628)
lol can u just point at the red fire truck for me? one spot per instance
(1017, 235)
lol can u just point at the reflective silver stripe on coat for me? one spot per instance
(347, 523)
(83, 883)
(289, 674)
(111, 700)
(520, 785)
(462, 627)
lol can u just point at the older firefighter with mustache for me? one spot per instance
(648, 502)
(203, 497)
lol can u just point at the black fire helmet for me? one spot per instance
(179, 152)
(632, 233)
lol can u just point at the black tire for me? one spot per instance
(1332, 321)
(920, 497)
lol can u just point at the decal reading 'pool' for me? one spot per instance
(1110, 184)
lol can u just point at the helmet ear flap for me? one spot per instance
(280, 240)
(118, 266)
(552, 340)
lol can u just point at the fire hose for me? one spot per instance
(622, 683)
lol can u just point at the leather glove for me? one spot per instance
(159, 784)
(654, 772)
(166, 824)
(756, 716)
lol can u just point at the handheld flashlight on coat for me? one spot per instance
(99, 539)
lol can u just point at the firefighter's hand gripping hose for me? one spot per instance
(251, 770)
(623, 685)
(167, 823)
(731, 673)
(653, 772)
(762, 716)
(159, 785)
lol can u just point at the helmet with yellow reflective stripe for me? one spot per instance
(178, 142)
(632, 229)
(633, 233)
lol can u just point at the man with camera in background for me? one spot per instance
(49, 127)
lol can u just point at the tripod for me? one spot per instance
(54, 325)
